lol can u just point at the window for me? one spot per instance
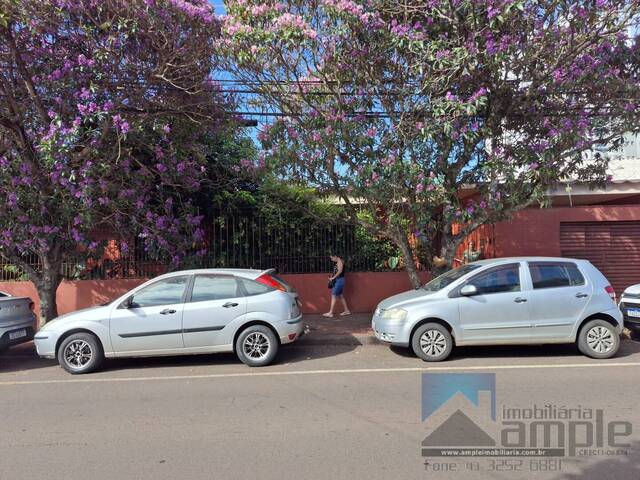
(448, 278)
(164, 292)
(505, 278)
(254, 288)
(555, 274)
(214, 287)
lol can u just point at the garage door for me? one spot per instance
(613, 247)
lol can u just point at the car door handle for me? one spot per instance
(230, 305)
(581, 295)
(167, 311)
(520, 300)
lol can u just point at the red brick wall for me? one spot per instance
(363, 290)
(537, 231)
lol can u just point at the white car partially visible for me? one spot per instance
(630, 308)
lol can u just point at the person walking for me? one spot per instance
(336, 284)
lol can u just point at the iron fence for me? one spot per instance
(239, 241)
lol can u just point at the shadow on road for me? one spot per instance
(627, 348)
(22, 358)
(288, 354)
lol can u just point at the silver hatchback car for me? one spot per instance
(249, 312)
(532, 300)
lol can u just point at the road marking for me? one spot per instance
(315, 372)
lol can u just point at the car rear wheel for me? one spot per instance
(80, 353)
(598, 339)
(432, 342)
(257, 346)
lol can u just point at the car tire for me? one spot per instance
(80, 353)
(257, 346)
(432, 342)
(598, 339)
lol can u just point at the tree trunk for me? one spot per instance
(47, 287)
(448, 245)
(402, 241)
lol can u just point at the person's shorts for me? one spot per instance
(337, 289)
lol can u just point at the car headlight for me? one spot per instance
(397, 314)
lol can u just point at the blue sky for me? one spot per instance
(219, 6)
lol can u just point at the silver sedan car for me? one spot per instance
(532, 300)
(248, 312)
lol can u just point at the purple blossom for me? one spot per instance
(56, 74)
(121, 124)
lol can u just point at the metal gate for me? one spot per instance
(613, 247)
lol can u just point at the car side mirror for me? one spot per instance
(469, 290)
(129, 303)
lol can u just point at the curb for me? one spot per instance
(353, 339)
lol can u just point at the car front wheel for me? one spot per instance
(80, 353)
(257, 346)
(432, 342)
(598, 339)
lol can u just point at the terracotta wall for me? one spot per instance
(537, 231)
(73, 296)
(363, 290)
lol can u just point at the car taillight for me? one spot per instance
(611, 292)
(269, 281)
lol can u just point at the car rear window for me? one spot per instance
(254, 288)
(555, 274)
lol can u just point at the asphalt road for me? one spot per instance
(323, 412)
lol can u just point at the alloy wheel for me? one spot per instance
(78, 354)
(600, 339)
(433, 343)
(256, 346)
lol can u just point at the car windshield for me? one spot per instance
(448, 278)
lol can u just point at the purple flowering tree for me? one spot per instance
(103, 108)
(422, 115)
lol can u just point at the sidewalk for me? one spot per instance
(354, 329)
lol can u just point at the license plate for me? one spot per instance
(17, 334)
(633, 312)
